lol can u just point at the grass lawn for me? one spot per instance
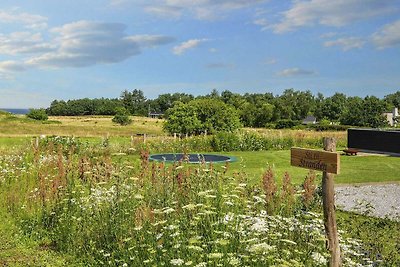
(354, 169)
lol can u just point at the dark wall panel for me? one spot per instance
(373, 139)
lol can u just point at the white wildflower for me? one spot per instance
(318, 258)
(215, 255)
(177, 262)
(262, 248)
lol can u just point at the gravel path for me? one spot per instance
(376, 200)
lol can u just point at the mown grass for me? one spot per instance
(353, 170)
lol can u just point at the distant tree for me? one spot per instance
(165, 101)
(57, 108)
(264, 115)
(214, 94)
(182, 118)
(393, 100)
(332, 107)
(205, 114)
(216, 116)
(38, 114)
(367, 112)
(122, 116)
(134, 102)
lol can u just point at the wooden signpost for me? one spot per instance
(315, 160)
(328, 162)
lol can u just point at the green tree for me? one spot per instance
(182, 118)
(393, 100)
(216, 116)
(38, 114)
(200, 115)
(264, 115)
(367, 112)
(135, 102)
(332, 107)
(122, 116)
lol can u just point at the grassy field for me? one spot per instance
(83, 126)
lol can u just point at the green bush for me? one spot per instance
(224, 141)
(122, 117)
(323, 128)
(38, 114)
(286, 124)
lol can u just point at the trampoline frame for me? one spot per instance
(199, 156)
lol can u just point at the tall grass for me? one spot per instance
(75, 198)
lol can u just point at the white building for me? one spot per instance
(391, 116)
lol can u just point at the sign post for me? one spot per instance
(328, 162)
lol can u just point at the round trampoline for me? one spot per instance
(191, 158)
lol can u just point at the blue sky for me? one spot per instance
(75, 49)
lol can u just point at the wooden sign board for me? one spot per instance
(315, 160)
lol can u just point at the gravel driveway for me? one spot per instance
(379, 200)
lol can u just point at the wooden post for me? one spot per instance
(328, 201)
(144, 138)
(37, 143)
(174, 136)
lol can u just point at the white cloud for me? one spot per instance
(346, 43)
(388, 36)
(190, 44)
(328, 35)
(164, 11)
(86, 43)
(295, 72)
(31, 21)
(23, 43)
(11, 66)
(332, 13)
(270, 61)
(263, 23)
(200, 9)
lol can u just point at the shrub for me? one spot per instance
(122, 117)
(38, 114)
(323, 128)
(202, 115)
(224, 141)
(285, 124)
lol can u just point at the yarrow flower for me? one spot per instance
(177, 262)
(318, 258)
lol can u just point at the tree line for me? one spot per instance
(252, 109)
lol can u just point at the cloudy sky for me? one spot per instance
(98, 48)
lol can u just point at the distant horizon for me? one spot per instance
(198, 95)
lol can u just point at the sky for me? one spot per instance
(98, 48)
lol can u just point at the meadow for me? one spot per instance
(95, 200)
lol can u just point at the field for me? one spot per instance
(85, 126)
(95, 200)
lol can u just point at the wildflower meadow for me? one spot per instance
(82, 200)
